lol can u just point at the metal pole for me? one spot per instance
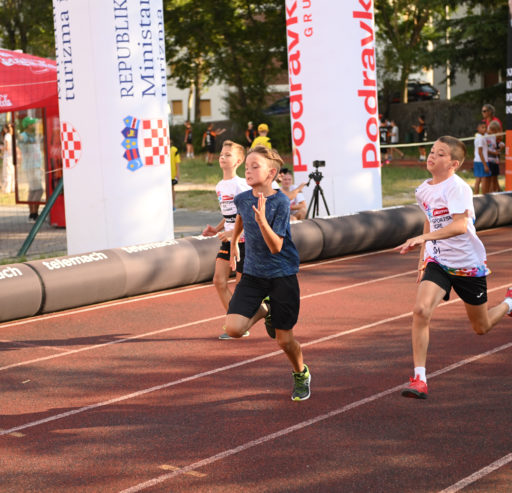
(40, 220)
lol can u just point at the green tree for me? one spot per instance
(405, 29)
(27, 26)
(237, 42)
(473, 41)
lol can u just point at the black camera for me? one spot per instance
(316, 175)
(318, 164)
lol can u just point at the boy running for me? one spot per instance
(231, 157)
(451, 255)
(271, 264)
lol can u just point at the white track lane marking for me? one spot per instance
(135, 299)
(243, 363)
(211, 319)
(189, 324)
(301, 425)
(478, 475)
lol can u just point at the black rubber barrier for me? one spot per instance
(49, 285)
(158, 266)
(21, 292)
(79, 280)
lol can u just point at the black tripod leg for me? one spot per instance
(325, 202)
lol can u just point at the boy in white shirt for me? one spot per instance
(231, 157)
(451, 255)
(480, 167)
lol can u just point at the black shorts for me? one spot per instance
(494, 168)
(225, 253)
(284, 296)
(471, 290)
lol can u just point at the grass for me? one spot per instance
(398, 184)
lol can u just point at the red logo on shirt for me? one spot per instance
(440, 212)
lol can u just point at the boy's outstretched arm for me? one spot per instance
(213, 230)
(458, 226)
(272, 239)
(237, 232)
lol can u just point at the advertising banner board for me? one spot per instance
(114, 124)
(333, 101)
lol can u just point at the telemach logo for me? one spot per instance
(370, 153)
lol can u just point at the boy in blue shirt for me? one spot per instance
(270, 266)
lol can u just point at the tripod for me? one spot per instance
(315, 200)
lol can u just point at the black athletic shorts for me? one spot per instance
(494, 168)
(471, 290)
(284, 296)
(225, 252)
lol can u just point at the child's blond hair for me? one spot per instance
(457, 148)
(271, 155)
(236, 148)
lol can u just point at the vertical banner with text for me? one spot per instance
(508, 106)
(114, 127)
(333, 100)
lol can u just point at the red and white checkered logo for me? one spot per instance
(155, 142)
(71, 145)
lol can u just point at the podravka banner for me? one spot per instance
(114, 124)
(333, 101)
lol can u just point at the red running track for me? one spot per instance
(140, 395)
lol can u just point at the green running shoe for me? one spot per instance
(301, 388)
(268, 320)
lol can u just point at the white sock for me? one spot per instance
(419, 371)
(508, 301)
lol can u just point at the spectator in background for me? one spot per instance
(250, 133)
(298, 206)
(384, 127)
(32, 164)
(175, 171)
(394, 139)
(263, 139)
(494, 147)
(209, 142)
(480, 167)
(421, 136)
(188, 139)
(489, 115)
(8, 164)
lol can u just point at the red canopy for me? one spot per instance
(26, 81)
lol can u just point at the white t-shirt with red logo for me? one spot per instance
(226, 191)
(462, 255)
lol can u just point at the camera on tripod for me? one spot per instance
(316, 175)
(318, 193)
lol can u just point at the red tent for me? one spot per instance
(29, 82)
(26, 81)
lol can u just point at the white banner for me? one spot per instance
(114, 127)
(333, 101)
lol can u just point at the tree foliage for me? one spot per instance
(27, 26)
(240, 43)
(405, 29)
(474, 42)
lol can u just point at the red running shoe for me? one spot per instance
(417, 389)
(509, 295)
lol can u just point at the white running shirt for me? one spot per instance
(461, 255)
(226, 191)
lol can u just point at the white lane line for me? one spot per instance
(299, 426)
(235, 365)
(485, 471)
(181, 326)
(135, 299)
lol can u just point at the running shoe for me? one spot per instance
(224, 336)
(509, 296)
(301, 385)
(417, 389)
(268, 320)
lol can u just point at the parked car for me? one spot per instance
(418, 91)
(279, 107)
